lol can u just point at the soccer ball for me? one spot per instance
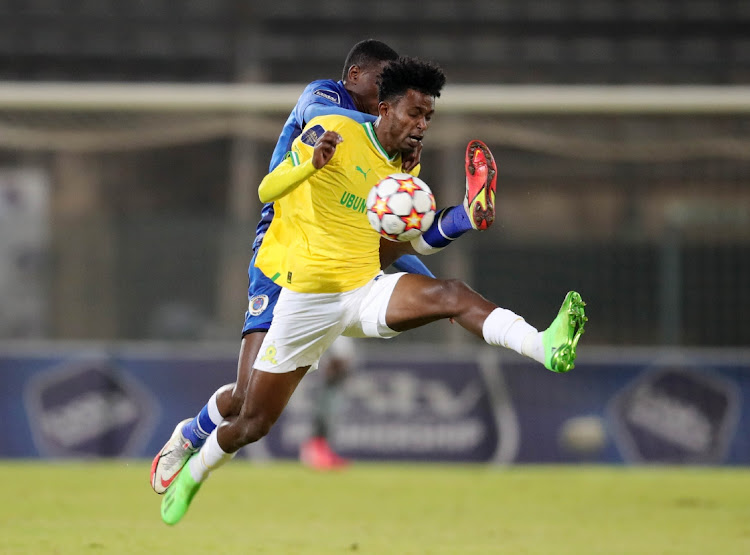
(401, 207)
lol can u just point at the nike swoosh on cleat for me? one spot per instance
(165, 483)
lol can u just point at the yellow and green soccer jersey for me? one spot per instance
(320, 240)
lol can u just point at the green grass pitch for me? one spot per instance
(108, 507)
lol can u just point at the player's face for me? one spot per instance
(363, 85)
(405, 121)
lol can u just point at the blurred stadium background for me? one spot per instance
(133, 134)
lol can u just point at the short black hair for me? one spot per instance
(367, 53)
(410, 73)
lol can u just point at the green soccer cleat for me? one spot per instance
(178, 496)
(561, 338)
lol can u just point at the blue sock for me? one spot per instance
(450, 223)
(199, 428)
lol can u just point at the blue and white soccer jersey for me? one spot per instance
(262, 294)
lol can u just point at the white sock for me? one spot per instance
(213, 409)
(533, 346)
(505, 328)
(423, 247)
(209, 458)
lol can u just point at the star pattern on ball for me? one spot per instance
(413, 220)
(407, 186)
(381, 207)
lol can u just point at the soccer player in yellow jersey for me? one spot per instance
(326, 258)
(352, 96)
(323, 242)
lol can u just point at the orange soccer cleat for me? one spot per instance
(481, 185)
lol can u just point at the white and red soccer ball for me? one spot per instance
(401, 207)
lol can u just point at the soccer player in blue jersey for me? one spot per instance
(354, 96)
(333, 288)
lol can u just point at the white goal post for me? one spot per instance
(456, 99)
(100, 117)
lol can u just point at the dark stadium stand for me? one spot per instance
(538, 41)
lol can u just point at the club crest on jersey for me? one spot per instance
(333, 96)
(311, 136)
(258, 304)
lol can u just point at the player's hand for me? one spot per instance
(412, 160)
(325, 147)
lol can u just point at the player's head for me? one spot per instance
(362, 68)
(407, 88)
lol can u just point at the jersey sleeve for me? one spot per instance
(316, 109)
(324, 97)
(286, 177)
(297, 166)
(413, 265)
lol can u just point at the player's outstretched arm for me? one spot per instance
(284, 179)
(287, 176)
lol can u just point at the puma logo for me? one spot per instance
(363, 172)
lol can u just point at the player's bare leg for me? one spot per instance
(232, 396)
(267, 396)
(228, 402)
(419, 300)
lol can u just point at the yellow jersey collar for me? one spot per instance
(370, 130)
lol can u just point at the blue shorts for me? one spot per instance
(262, 294)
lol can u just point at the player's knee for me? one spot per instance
(228, 400)
(254, 427)
(452, 294)
(263, 426)
(236, 400)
